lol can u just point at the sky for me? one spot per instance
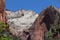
(34, 5)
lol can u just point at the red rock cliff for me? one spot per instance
(42, 23)
(3, 15)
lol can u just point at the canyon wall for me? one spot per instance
(3, 15)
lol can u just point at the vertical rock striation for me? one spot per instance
(3, 15)
(42, 23)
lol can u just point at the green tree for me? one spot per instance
(55, 28)
(5, 34)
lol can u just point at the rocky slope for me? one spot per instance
(38, 25)
(20, 20)
(43, 23)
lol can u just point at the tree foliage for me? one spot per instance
(55, 28)
(6, 34)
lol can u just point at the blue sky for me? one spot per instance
(35, 5)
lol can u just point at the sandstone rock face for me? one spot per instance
(3, 15)
(20, 20)
(42, 23)
(38, 25)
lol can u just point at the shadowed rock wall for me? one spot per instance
(42, 23)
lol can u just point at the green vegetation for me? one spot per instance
(5, 33)
(55, 27)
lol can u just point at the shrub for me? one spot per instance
(6, 34)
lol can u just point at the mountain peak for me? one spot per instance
(20, 20)
(20, 13)
(43, 22)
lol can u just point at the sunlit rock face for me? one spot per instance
(20, 20)
(3, 15)
(42, 23)
(29, 20)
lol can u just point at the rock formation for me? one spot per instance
(22, 19)
(42, 23)
(19, 22)
(3, 15)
